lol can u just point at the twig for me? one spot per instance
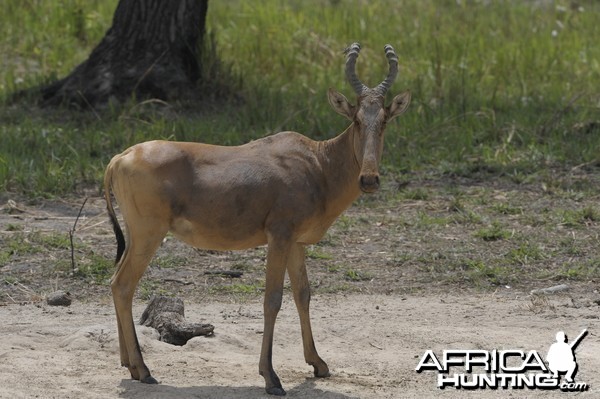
(225, 273)
(89, 105)
(72, 233)
(11, 298)
(24, 288)
(93, 225)
(147, 72)
(375, 346)
(182, 282)
(584, 165)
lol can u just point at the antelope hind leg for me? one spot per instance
(130, 270)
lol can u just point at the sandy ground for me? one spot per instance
(372, 344)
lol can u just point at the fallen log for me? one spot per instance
(167, 316)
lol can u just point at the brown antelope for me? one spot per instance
(284, 191)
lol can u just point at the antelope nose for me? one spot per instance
(369, 183)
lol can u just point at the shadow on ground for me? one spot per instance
(134, 390)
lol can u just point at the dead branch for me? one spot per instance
(71, 235)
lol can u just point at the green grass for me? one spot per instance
(314, 252)
(578, 217)
(169, 261)
(481, 274)
(354, 275)
(418, 194)
(525, 253)
(147, 288)
(494, 232)
(589, 270)
(22, 244)
(95, 267)
(498, 87)
(238, 288)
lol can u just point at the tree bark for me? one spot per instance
(150, 51)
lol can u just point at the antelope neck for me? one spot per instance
(341, 168)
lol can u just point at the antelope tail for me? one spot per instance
(111, 212)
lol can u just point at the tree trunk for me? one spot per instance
(151, 51)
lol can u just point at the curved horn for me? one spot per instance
(384, 86)
(352, 54)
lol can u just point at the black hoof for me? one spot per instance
(322, 374)
(149, 380)
(321, 370)
(277, 391)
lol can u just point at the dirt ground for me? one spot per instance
(433, 266)
(372, 344)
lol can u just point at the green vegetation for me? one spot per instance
(481, 274)
(239, 288)
(579, 217)
(23, 244)
(314, 252)
(498, 87)
(354, 275)
(417, 194)
(53, 249)
(525, 253)
(95, 267)
(169, 261)
(493, 233)
(147, 288)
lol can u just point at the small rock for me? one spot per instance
(11, 208)
(550, 290)
(59, 298)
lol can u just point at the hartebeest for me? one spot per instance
(284, 190)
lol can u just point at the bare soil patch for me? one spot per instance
(435, 264)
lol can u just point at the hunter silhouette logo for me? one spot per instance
(510, 368)
(561, 355)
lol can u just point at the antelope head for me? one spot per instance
(369, 116)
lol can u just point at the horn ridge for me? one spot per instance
(352, 54)
(384, 86)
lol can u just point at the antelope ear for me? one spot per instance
(399, 105)
(340, 104)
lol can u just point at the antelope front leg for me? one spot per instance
(297, 271)
(276, 261)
